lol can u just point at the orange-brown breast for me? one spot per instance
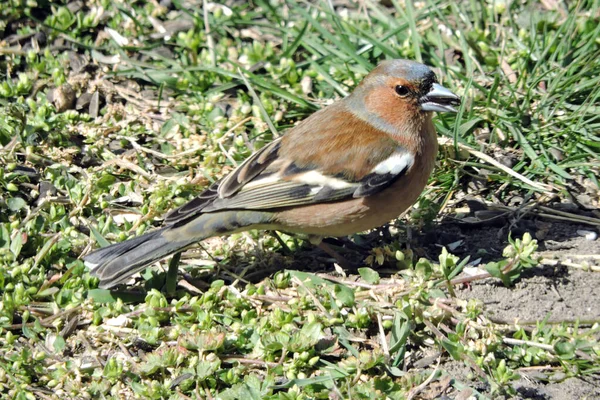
(357, 215)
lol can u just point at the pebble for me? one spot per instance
(586, 201)
(306, 84)
(63, 97)
(589, 235)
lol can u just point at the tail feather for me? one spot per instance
(116, 263)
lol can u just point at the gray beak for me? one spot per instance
(439, 99)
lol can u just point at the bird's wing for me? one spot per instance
(291, 185)
(265, 182)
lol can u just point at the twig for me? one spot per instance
(79, 207)
(547, 213)
(444, 307)
(547, 347)
(189, 287)
(41, 393)
(416, 390)
(568, 263)
(537, 368)
(434, 329)
(12, 50)
(182, 395)
(384, 344)
(128, 165)
(155, 153)
(271, 299)
(593, 221)
(158, 309)
(570, 219)
(248, 361)
(518, 342)
(47, 246)
(579, 256)
(467, 279)
(362, 284)
(47, 322)
(99, 359)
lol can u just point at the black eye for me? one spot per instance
(401, 90)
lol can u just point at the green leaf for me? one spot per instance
(326, 379)
(369, 275)
(345, 295)
(207, 340)
(217, 284)
(105, 182)
(153, 363)
(400, 332)
(310, 280)
(48, 292)
(307, 337)
(454, 349)
(565, 350)
(16, 244)
(59, 344)
(44, 251)
(424, 268)
(342, 45)
(248, 390)
(292, 48)
(15, 203)
(395, 371)
(167, 126)
(205, 368)
(101, 296)
(493, 269)
(459, 267)
(275, 341)
(4, 237)
(312, 330)
(468, 126)
(437, 294)
(98, 236)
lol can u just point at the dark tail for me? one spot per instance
(114, 264)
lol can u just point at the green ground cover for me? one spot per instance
(112, 113)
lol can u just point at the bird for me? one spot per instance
(352, 166)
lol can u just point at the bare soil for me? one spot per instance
(557, 293)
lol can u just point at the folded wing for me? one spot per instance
(268, 181)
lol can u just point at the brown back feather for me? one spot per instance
(352, 147)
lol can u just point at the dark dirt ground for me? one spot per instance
(557, 292)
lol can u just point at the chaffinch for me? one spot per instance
(352, 166)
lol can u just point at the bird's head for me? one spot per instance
(401, 90)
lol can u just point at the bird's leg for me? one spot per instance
(341, 260)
